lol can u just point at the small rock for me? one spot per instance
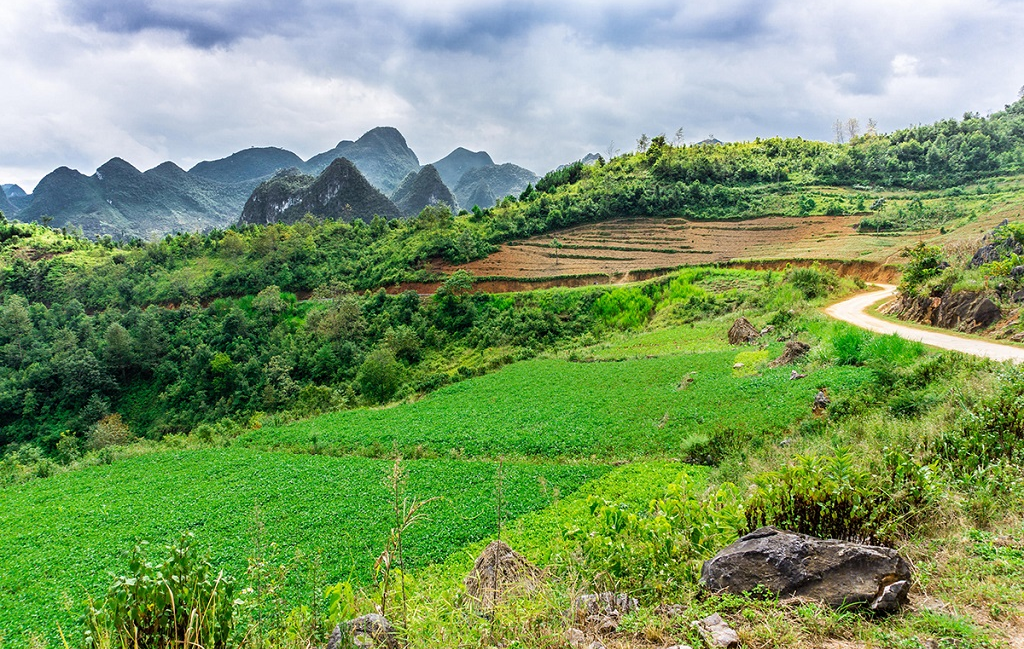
(737, 366)
(716, 632)
(821, 401)
(796, 375)
(606, 624)
(892, 597)
(615, 604)
(367, 632)
(575, 638)
(596, 644)
(767, 330)
(498, 570)
(680, 646)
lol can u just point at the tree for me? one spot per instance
(556, 245)
(837, 130)
(872, 127)
(852, 127)
(379, 376)
(642, 142)
(678, 139)
(117, 350)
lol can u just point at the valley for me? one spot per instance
(619, 371)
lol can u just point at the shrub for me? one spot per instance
(814, 281)
(181, 601)
(624, 308)
(110, 431)
(661, 550)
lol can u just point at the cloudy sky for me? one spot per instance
(535, 83)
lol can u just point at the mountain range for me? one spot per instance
(124, 202)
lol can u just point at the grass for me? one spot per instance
(62, 536)
(553, 408)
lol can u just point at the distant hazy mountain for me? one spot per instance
(252, 164)
(122, 201)
(454, 165)
(340, 192)
(485, 186)
(17, 196)
(5, 205)
(421, 189)
(381, 154)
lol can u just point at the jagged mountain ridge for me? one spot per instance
(121, 201)
(340, 192)
(421, 189)
(485, 186)
(113, 199)
(6, 206)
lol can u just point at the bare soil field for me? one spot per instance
(630, 249)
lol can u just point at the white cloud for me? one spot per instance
(531, 82)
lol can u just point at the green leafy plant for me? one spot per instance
(182, 601)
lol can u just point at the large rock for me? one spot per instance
(797, 565)
(742, 332)
(371, 631)
(498, 570)
(963, 311)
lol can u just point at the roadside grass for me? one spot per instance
(62, 536)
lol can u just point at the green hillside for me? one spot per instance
(67, 533)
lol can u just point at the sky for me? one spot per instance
(534, 83)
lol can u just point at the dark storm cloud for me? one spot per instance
(204, 24)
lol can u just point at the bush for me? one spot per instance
(180, 602)
(814, 281)
(661, 550)
(624, 308)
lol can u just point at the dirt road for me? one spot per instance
(852, 311)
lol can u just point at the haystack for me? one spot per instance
(498, 571)
(742, 332)
(794, 350)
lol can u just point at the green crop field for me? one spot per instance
(556, 408)
(61, 537)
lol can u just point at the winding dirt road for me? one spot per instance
(852, 311)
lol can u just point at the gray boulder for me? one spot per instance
(371, 631)
(797, 565)
(716, 633)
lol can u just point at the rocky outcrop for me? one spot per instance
(787, 564)
(498, 571)
(742, 332)
(964, 311)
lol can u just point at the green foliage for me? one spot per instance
(623, 308)
(537, 408)
(380, 375)
(925, 263)
(83, 520)
(813, 281)
(180, 601)
(832, 497)
(659, 551)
